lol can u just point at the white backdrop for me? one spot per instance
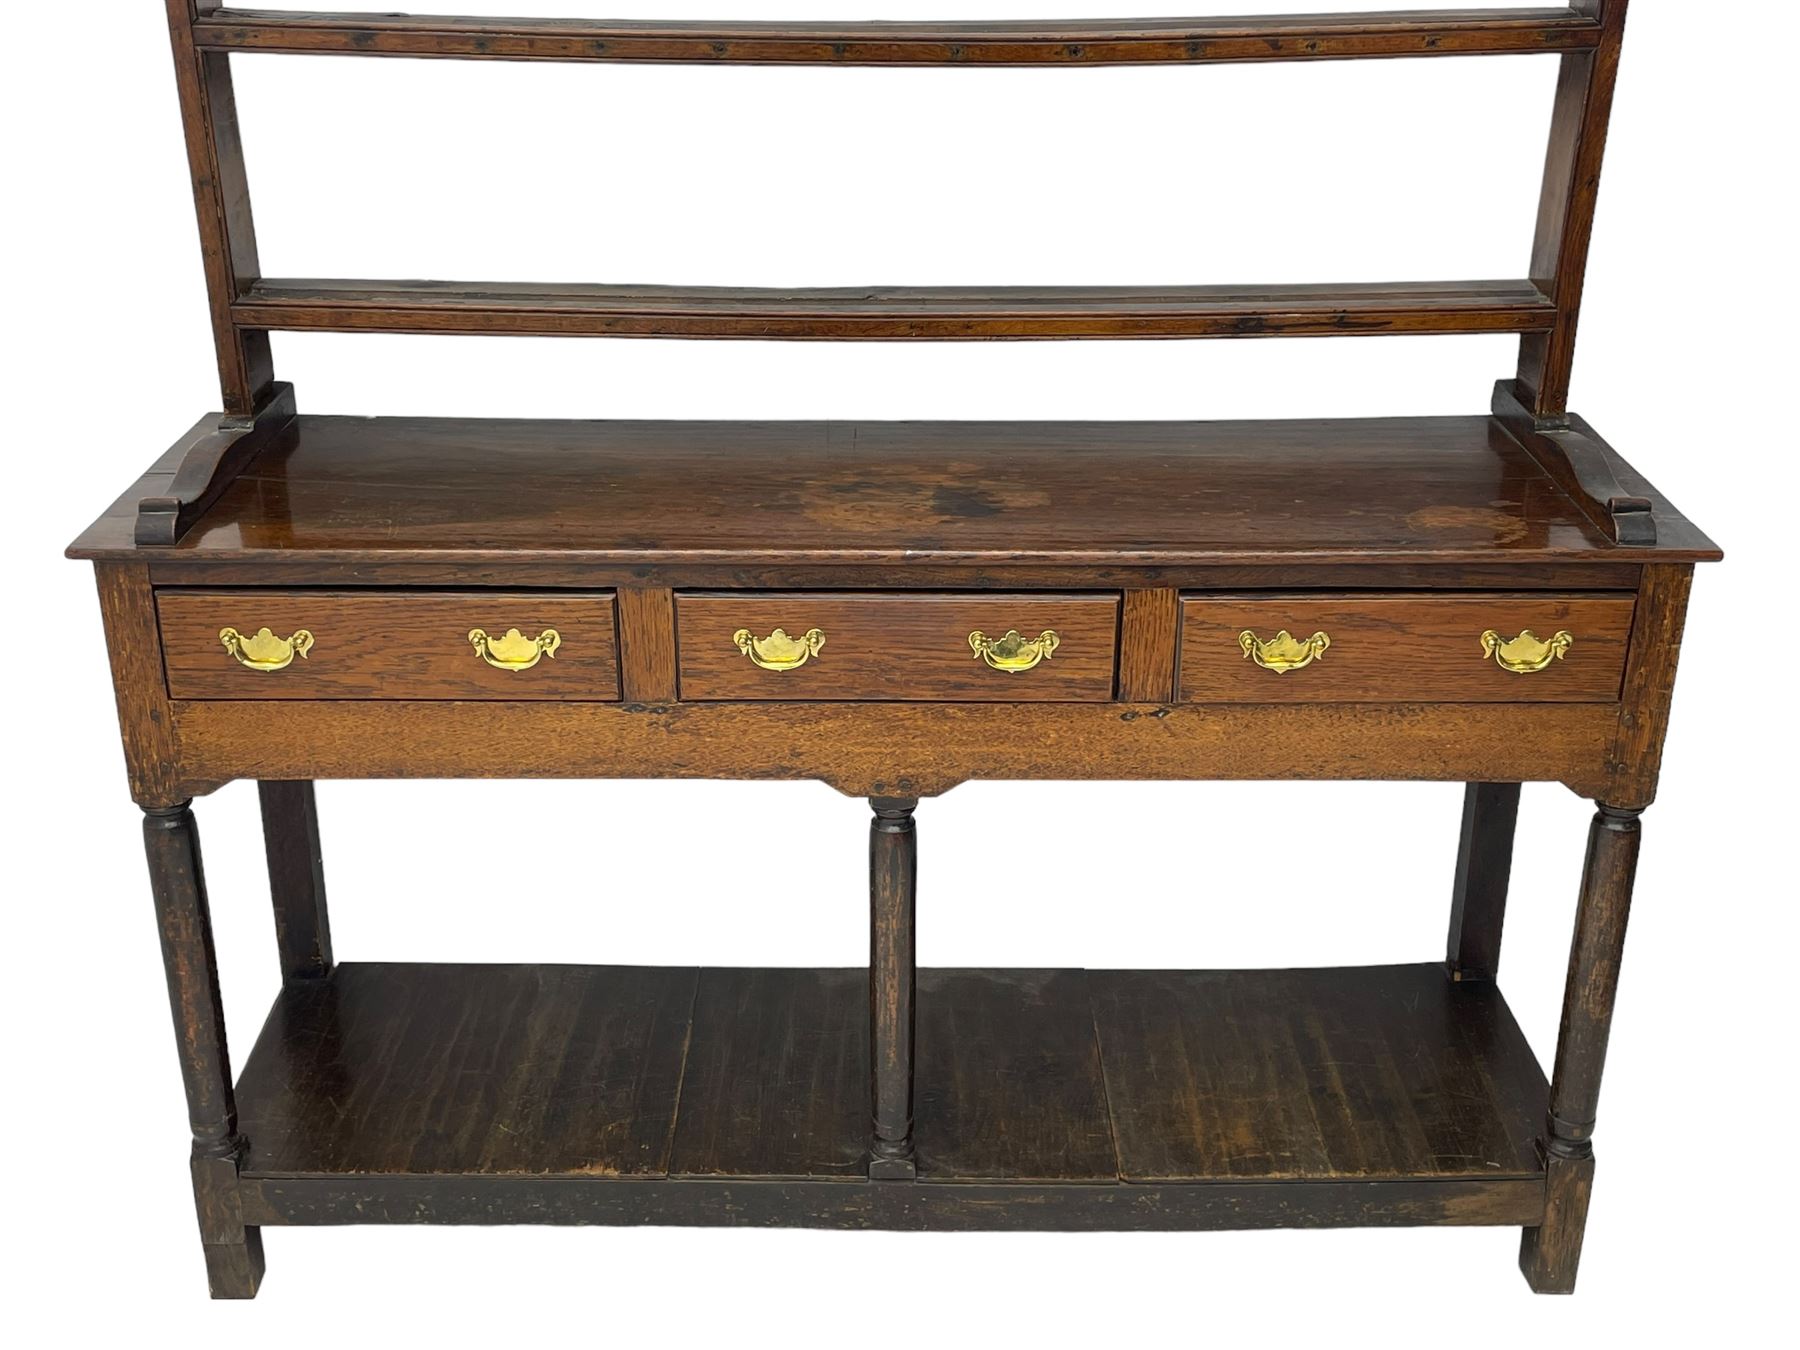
(1423, 169)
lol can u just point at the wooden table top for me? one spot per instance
(1410, 490)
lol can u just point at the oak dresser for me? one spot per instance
(894, 609)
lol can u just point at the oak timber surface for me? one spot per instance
(1377, 1074)
(1452, 489)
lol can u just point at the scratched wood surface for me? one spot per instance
(1371, 1072)
(466, 1068)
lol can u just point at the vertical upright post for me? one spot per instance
(1565, 226)
(290, 816)
(222, 204)
(1550, 1254)
(893, 975)
(1483, 871)
(234, 1258)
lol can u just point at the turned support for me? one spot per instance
(234, 1259)
(893, 970)
(290, 816)
(1550, 1254)
(1483, 870)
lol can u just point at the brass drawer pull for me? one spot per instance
(1283, 652)
(514, 651)
(1526, 654)
(1013, 653)
(778, 651)
(262, 650)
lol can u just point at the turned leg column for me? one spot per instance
(234, 1258)
(1549, 1255)
(893, 879)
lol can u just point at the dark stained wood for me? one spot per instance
(777, 1078)
(647, 672)
(1384, 648)
(290, 816)
(1009, 1084)
(1407, 491)
(134, 650)
(421, 1069)
(1483, 870)
(221, 203)
(1550, 1254)
(1582, 465)
(1637, 751)
(1391, 1071)
(1025, 1100)
(389, 645)
(898, 648)
(1565, 227)
(895, 313)
(214, 452)
(234, 1259)
(1039, 1207)
(1072, 42)
(1149, 640)
(877, 749)
(893, 971)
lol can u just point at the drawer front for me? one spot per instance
(389, 644)
(1403, 649)
(896, 648)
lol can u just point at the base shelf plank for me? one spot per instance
(398, 1093)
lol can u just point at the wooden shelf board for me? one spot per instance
(631, 494)
(1380, 1075)
(896, 313)
(1059, 42)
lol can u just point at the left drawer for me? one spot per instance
(389, 645)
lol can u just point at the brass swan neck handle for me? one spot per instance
(1527, 653)
(1283, 652)
(778, 651)
(262, 650)
(513, 650)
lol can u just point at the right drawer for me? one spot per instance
(1301, 648)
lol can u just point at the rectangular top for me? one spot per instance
(632, 493)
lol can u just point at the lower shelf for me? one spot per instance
(1045, 1099)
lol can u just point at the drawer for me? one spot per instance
(894, 648)
(389, 644)
(1403, 649)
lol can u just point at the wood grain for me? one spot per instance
(402, 491)
(1381, 1071)
(134, 651)
(879, 749)
(1039, 1207)
(1149, 637)
(777, 1078)
(389, 645)
(894, 313)
(1009, 1084)
(908, 648)
(1385, 648)
(1073, 42)
(421, 1069)
(1649, 686)
(647, 672)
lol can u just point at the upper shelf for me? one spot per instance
(891, 313)
(1065, 42)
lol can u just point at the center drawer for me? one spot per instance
(389, 645)
(897, 648)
